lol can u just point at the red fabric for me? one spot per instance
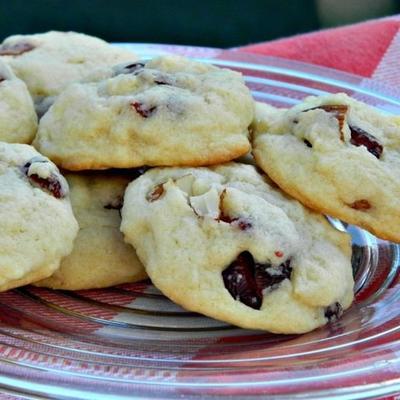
(356, 48)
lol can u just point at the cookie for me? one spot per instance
(169, 111)
(223, 242)
(37, 224)
(18, 120)
(48, 62)
(100, 257)
(337, 156)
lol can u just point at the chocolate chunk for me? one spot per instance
(246, 280)
(361, 138)
(268, 276)
(240, 282)
(15, 49)
(334, 312)
(307, 143)
(156, 193)
(143, 110)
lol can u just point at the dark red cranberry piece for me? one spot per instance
(362, 205)
(338, 110)
(268, 276)
(143, 110)
(240, 283)
(245, 280)
(361, 138)
(334, 312)
(15, 49)
(243, 224)
(51, 185)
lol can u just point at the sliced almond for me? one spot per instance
(206, 205)
(185, 183)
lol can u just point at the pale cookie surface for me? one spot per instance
(48, 62)
(37, 224)
(223, 242)
(337, 156)
(100, 257)
(169, 111)
(18, 120)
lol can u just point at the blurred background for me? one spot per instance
(218, 23)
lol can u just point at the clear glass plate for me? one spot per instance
(130, 341)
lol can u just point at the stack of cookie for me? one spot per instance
(147, 149)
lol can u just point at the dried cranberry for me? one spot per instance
(50, 184)
(240, 283)
(361, 138)
(15, 49)
(362, 205)
(338, 110)
(156, 193)
(334, 312)
(245, 280)
(143, 110)
(243, 224)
